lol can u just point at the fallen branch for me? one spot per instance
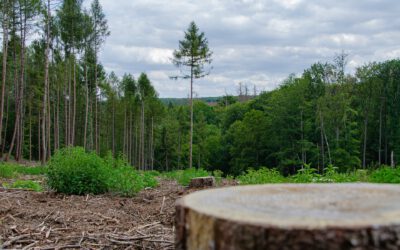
(30, 245)
(162, 205)
(107, 218)
(15, 239)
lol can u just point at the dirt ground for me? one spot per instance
(30, 220)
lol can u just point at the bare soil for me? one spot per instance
(47, 220)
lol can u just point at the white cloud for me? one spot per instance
(254, 41)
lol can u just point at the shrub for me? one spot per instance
(183, 177)
(261, 176)
(125, 181)
(73, 171)
(385, 175)
(306, 175)
(26, 184)
(149, 179)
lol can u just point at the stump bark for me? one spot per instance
(202, 182)
(290, 216)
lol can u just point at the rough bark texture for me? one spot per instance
(201, 182)
(354, 216)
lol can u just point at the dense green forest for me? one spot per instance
(55, 93)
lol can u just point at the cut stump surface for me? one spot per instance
(201, 182)
(290, 216)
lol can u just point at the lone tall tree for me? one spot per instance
(191, 57)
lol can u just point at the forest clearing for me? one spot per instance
(111, 120)
(33, 216)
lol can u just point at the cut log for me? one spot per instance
(290, 216)
(202, 182)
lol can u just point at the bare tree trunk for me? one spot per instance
(68, 141)
(380, 134)
(96, 114)
(113, 128)
(322, 144)
(74, 107)
(4, 72)
(46, 86)
(125, 133)
(179, 148)
(3, 148)
(191, 119)
(16, 139)
(86, 109)
(142, 132)
(30, 132)
(130, 134)
(152, 144)
(39, 137)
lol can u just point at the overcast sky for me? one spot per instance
(258, 42)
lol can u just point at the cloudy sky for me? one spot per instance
(257, 42)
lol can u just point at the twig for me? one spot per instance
(30, 245)
(107, 218)
(17, 238)
(117, 237)
(162, 205)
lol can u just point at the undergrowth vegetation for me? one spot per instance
(74, 171)
(10, 170)
(310, 175)
(25, 184)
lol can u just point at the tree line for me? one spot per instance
(323, 117)
(55, 93)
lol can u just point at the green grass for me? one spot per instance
(26, 184)
(10, 170)
(183, 177)
(7, 171)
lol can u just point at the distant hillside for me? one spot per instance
(185, 101)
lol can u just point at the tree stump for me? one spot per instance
(290, 216)
(202, 182)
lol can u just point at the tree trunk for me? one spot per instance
(74, 107)
(287, 216)
(16, 139)
(142, 132)
(4, 71)
(86, 109)
(113, 128)
(191, 119)
(380, 135)
(46, 87)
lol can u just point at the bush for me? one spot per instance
(386, 175)
(261, 176)
(306, 175)
(73, 171)
(183, 177)
(26, 184)
(125, 181)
